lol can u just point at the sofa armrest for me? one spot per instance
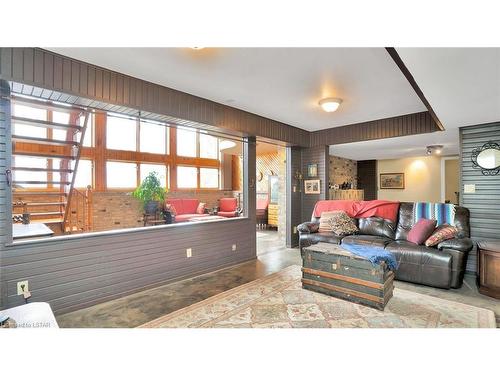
(308, 227)
(460, 244)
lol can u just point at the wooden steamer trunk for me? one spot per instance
(329, 269)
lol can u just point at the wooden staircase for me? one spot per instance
(50, 200)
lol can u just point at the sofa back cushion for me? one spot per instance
(228, 204)
(184, 206)
(176, 204)
(262, 203)
(405, 221)
(190, 205)
(377, 226)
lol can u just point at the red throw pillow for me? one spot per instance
(421, 231)
(442, 233)
(201, 208)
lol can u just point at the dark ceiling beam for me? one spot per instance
(401, 65)
(398, 126)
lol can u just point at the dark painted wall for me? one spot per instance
(5, 151)
(484, 204)
(315, 155)
(293, 195)
(367, 178)
(77, 271)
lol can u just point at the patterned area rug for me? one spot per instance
(278, 301)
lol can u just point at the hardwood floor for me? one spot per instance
(139, 308)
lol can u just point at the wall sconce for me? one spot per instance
(298, 177)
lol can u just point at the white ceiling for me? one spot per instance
(400, 147)
(284, 84)
(462, 86)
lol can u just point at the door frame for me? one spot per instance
(443, 175)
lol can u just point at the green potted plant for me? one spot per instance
(151, 193)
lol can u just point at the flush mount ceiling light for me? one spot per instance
(434, 149)
(197, 47)
(330, 104)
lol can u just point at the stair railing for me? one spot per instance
(79, 213)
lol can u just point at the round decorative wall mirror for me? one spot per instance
(487, 158)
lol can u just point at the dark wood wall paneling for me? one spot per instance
(71, 273)
(5, 152)
(293, 195)
(484, 204)
(367, 178)
(315, 155)
(50, 71)
(415, 123)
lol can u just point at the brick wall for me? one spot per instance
(343, 170)
(118, 210)
(115, 210)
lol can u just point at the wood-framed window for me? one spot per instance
(118, 151)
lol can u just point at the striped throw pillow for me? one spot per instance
(441, 233)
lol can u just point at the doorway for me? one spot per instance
(450, 180)
(270, 197)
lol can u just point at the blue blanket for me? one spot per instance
(374, 255)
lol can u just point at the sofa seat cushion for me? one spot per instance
(367, 240)
(421, 264)
(227, 214)
(185, 217)
(312, 238)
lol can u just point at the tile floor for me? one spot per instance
(139, 308)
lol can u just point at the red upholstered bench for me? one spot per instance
(185, 209)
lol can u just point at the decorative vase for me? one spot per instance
(151, 207)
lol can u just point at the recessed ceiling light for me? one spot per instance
(434, 149)
(330, 104)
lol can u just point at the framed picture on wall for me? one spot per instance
(312, 186)
(392, 180)
(312, 170)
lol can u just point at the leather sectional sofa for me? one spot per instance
(442, 266)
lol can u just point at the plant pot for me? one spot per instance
(168, 217)
(151, 207)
